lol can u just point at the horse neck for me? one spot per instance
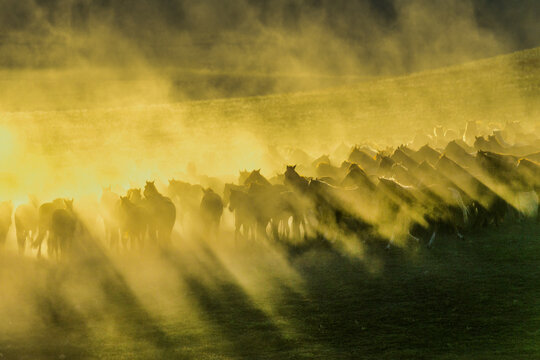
(154, 196)
(152, 193)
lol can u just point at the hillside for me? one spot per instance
(224, 135)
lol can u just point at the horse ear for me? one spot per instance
(258, 171)
(294, 166)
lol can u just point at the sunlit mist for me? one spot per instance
(269, 179)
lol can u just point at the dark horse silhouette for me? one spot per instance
(132, 220)
(62, 232)
(211, 209)
(161, 214)
(45, 214)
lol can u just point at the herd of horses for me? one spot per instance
(445, 182)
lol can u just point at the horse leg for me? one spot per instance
(237, 226)
(124, 236)
(274, 229)
(42, 232)
(432, 239)
(297, 224)
(51, 240)
(217, 224)
(21, 240)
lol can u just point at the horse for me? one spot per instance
(227, 191)
(186, 197)
(45, 213)
(385, 165)
(134, 195)
(62, 231)
(242, 176)
(490, 144)
(399, 156)
(267, 207)
(426, 153)
(132, 218)
(6, 209)
(530, 171)
(366, 161)
(459, 154)
(327, 170)
(161, 214)
(211, 209)
(255, 177)
(491, 207)
(403, 175)
(295, 181)
(290, 205)
(356, 176)
(336, 208)
(323, 159)
(26, 223)
(241, 203)
(501, 167)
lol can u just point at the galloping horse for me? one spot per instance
(45, 214)
(211, 210)
(62, 232)
(161, 214)
(132, 220)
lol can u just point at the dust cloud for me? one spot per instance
(115, 93)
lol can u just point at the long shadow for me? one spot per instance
(463, 299)
(66, 330)
(52, 315)
(250, 332)
(125, 309)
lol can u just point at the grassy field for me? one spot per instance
(476, 298)
(221, 136)
(463, 299)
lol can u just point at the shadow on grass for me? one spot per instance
(460, 299)
(225, 305)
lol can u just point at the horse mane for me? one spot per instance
(256, 177)
(494, 139)
(453, 146)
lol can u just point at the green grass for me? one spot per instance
(476, 298)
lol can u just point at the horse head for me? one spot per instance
(150, 189)
(68, 204)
